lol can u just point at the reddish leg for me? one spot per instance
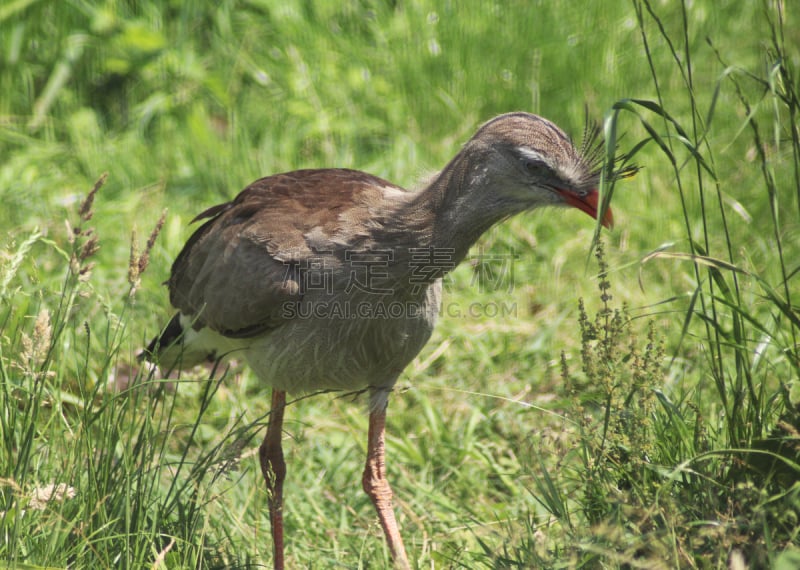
(274, 470)
(377, 487)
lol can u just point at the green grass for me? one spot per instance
(652, 424)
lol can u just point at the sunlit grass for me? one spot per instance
(513, 441)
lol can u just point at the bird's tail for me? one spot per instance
(179, 346)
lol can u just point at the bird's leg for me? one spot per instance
(274, 470)
(377, 486)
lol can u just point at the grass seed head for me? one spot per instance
(86, 212)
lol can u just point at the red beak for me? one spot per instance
(589, 204)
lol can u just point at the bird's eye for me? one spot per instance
(533, 165)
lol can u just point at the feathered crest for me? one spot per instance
(593, 155)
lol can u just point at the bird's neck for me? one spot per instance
(451, 212)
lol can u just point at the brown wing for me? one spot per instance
(238, 270)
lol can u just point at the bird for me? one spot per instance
(331, 279)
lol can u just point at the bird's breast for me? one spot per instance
(347, 341)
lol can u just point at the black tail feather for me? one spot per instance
(169, 336)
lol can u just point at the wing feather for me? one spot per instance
(239, 270)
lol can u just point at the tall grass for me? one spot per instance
(666, 478)
(715, 242)
(655, 424)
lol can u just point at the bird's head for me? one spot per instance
(527, 162)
